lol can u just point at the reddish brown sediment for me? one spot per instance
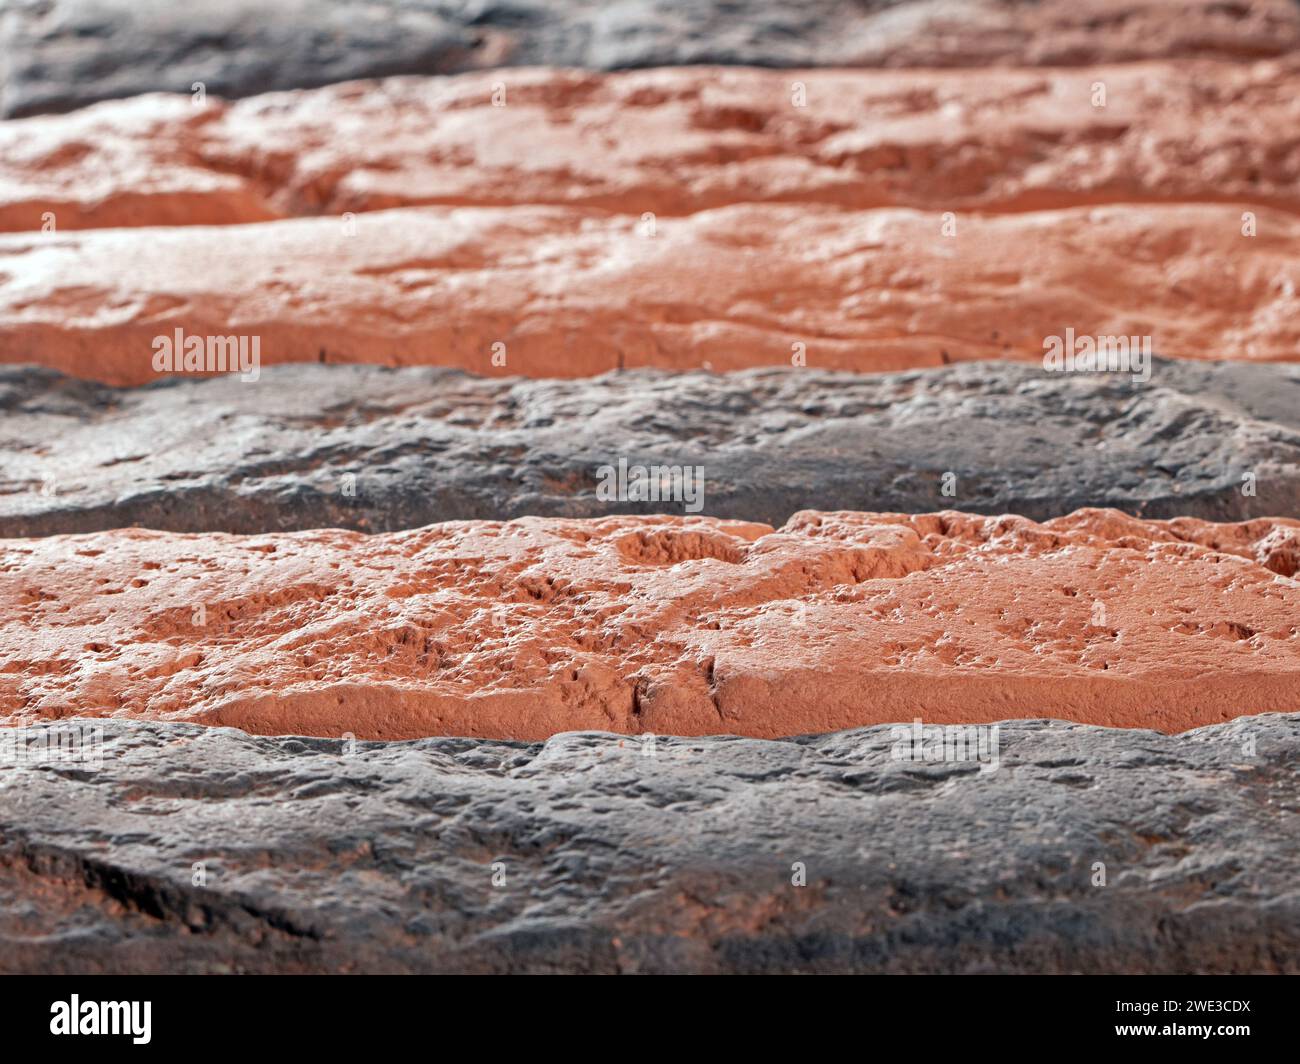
(671, 141)
(670, 625)
(572, 292)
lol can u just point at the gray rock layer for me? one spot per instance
(423, 445)
(56, 55)
(209, 850)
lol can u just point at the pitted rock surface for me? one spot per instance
(670, 142)
(684, 626)
(1086, 850)
(379, 450)
(1106, 167)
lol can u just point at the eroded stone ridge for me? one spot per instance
(681, 626)
(555, 291)
(1140, 183)
(670, 142)
(377, 449)
(674, 855)
(61, 54)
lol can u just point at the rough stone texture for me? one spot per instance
(670, 142)
(380, 859)
(427, 445)
(321, 857)
(56, 55)
(576, 291)
(684, 626)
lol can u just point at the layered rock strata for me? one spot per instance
(378, 450)
(671, 142)
(683, 626)
(63, 54)
(556, 291)
(1080, 850)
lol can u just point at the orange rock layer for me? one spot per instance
(668, 625)
(671, 141)
(565, 292)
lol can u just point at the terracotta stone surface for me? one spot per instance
(572, 292)
(671, 141)
(96, 167)
(638, 855)
(681, 626)
(424, 444)
(61, 54)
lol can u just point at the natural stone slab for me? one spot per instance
(670, 142)
(686, 626)
(551, 291)
(61, 54)
(379, 450)
(1085, 850)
